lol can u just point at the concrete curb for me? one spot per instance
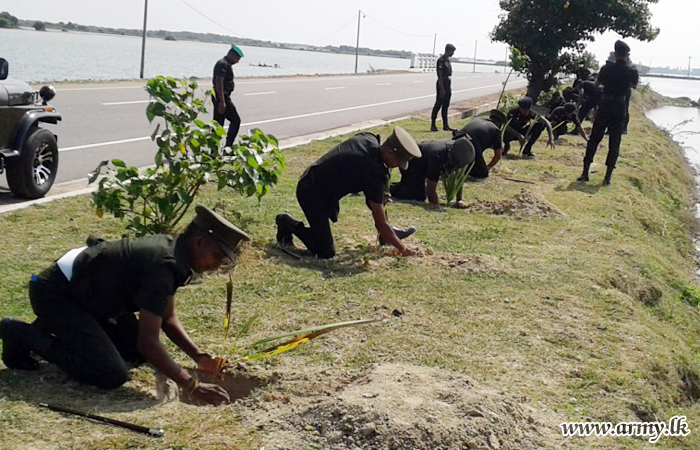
(74, 188)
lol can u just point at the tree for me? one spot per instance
(548, 31)
(7, 20)
(189, 155)
(39, 26)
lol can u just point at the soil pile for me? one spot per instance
(524, 204)
(396, 407)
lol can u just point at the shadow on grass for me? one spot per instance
(50, 385)
(586, 188)
(347, 261)
(425, 205)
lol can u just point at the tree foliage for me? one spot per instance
(39, 26)
(7, 20)
(189, 155)
(552, 32)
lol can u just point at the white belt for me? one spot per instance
(65, 262)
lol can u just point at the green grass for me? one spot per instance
(600, 316)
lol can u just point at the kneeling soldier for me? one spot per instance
(360, 164)
(85, 304)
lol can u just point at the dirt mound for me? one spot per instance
(397, 407)
(524, 204)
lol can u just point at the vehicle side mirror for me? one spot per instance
(4, 68)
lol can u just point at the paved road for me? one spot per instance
(108, 120)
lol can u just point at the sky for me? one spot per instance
(412, 25)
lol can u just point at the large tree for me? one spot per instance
(552, 32)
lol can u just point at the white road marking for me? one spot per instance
(261, 93)
(300, 116)
(383, 84)
(99, 88)
(418, 81)
(334, 88)
(125, 103)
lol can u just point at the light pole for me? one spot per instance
(143, 40)
(689, 58)
(476, 44)
(357, 46)
(434, 42)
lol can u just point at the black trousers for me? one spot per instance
(480, 169)
(442, 102)
(317, 237)
(230, 114)
(91, 351)
(611, 118)
(586, 108)
(408, 191)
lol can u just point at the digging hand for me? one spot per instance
(550, 143)
(521, 140)
(407, 251)
(460, 205)
(210, 394)
(212, 364)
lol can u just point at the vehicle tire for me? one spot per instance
(33, 172)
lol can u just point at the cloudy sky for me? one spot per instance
(399, 24)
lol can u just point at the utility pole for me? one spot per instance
(689, 58)
(357, 46)
(476, 44)
(143, 41)
(505, 63)
(434, 42)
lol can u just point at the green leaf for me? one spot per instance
(118, 163)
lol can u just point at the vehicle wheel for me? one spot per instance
(33, 172)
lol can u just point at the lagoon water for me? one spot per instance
(58, 56)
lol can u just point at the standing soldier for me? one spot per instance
(223, 88)
(444, 88)
(617, 79)
(85, 304)
(360, 164)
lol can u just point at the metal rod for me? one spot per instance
(133, 427)
(475, 46)
(357, 46)
(434, 42)
(143, 40)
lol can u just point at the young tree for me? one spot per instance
(547, 30)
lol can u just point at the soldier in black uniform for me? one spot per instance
(444, 88)
(519, 128)
(589, 98)
(617, 79)
(421, 178)
(85, 304)
(560, 118)
(223, 88)
(484, 134)
(360, 164)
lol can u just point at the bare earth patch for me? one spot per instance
(524, 204)
(393, 406)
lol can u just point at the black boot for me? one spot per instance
(608, 176)
(584, 174)
(401, 233)
(433, 127)
(16, 340)
(286, 225)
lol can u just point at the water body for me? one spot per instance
(74, 56)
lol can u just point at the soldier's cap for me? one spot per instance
(462, 152)
(450, 47)
(525, 103)
(227, 235)
(403, 145)
(496, 115)
(234, 48)
(621, 48)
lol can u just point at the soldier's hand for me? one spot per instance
(209, 394)
(550, 143)
(407, 251)
(212, 364)
(460, 205)
(221, 108)
(521, 139)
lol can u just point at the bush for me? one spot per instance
(189, 155)
(690, 295)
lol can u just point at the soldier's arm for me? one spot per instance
(543, 120)
(172, 327)
(497, 152)
(385, 230)
(219, 87)
(431, 190)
